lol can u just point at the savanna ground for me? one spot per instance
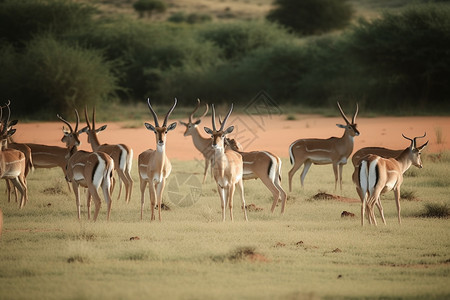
(310, 252)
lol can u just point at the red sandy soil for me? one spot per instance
(267, 132)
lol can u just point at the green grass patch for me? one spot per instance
(309, 252)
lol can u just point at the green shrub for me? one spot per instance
(408, 54)
(237, 39)
(193, 18)
(308, 17)
(20, 20)
(435, 210)
(60, 77)
(149, 6)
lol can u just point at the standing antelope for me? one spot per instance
(120, 153)
(376, 175)
(227, 166)
(87, 169)
(380, 151)
(10, 144)
(265, 166)
(202, 144)
(12, 161)
(154, 165)
(324, 151)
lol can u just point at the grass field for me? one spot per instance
(310, 252)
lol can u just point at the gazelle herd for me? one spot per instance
(376, 170)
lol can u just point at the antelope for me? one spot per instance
(376, 175)
(120, 153)
(12, 161)
(87, 169)
(154, 165)
(10, 144)
(202, 144)
(380, 151)
(265, 166)
(333, 151)
(227, 166)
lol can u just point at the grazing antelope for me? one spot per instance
(12, 161)
(154, 165)
(87, 169)
(120, 153)
(380, 151)
(227, 166)
(376, 175)
(333, 151)
(202, 144)
(265, 166)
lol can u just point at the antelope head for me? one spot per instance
(350, 127)
(90, 128)
(70, 137)
(193, 124)
(218, 136)
(161, 131)
(415, 151)
(6, 129)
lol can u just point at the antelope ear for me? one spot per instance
(11, 132)
(84, 129)
(183, 123)
(65, 131)
(101, 128)
(229, 130)
(13, 122)
(341, 126)
(150, 127)
(197, 122)
(172, 126)
(208, 130)
(423, 146)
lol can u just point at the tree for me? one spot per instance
(308, 17)
(148, 6)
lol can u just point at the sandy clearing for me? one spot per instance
(266, 132)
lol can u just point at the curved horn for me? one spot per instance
(169, 112)
(5, 125)
(155, 117)
(193, 112)
(342, 113)
(356, 113)
(419, 137)
(67, 123)
(226, 117)
(206, 111)
(93, 119)
(78, 120)
(213, 116)
(86, 116)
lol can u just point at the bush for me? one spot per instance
(308, 17)
(237, 39)
(192, 18)
(408, 54)
(20, 20)
(55, 77)
(148, 6)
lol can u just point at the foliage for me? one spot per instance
(149, 6)
(436, 210)
(308, 17)
(407, 52)
(52, 76)
(237, 39)
(192, 18)
(20, 20)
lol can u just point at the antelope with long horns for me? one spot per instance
(87, 169)
(12, 161)
(154, 165)
(376, 175)
(120, 153)
(333, 151)
(227, 165)
(201, 143)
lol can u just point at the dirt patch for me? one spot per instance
(242, 254)
(258, 133)
(326, 196)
